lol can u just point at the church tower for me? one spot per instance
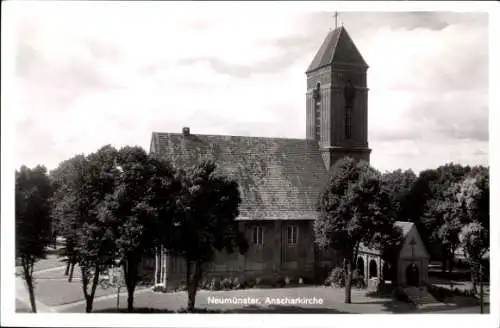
(337, 100)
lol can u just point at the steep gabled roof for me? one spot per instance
(405, 229)
(337, 47)
(405, 226)
(278, 178)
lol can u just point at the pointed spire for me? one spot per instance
(337, 47)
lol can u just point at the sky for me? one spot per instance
(90, 74)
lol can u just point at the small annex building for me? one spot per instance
(411, 267)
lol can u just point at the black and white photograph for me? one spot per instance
(246, 158)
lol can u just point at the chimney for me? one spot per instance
(185, 131)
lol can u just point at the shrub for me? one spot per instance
(248, 283)
(336, 278)
(401, 296)
(441, 293)
(205, 284)
(236, 283)
(225, 284)
(159, 289)
(215, 284)
(181, 287)
(258, 281)
(278, 282)
(358, 280)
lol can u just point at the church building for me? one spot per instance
(280, 179)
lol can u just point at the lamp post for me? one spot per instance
(486, 256)
(481, 293)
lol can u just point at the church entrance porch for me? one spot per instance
(412, 275)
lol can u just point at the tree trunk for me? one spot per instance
(191, 298)
(28, 265)
(130, 300)
(89, 298)
(190, 307)
(348, 281)
(68, 265)
(88, 304)
(70, 278)
(475, 274)
(130, 271)
(31, 291)
(445, 253)
(451, 264)
(193, 286)
(118, 299)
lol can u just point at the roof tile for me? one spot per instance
(279, 178)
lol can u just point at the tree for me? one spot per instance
(475, 241)
(473, 200)
(144, 185)
(95, 236)
(389, 244)
(114, 279)
(67, 178)
(87, 185)
(473, 195)
(33, 222)
(464, 202)
(451, 218)
(355, 209)
(204, 222)
(399, 185)
(429, 198)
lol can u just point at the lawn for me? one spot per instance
(21, 307)
(58, 274)
(58, 292)
(332, 301)
(50, 262)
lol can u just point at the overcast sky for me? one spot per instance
(90, 74)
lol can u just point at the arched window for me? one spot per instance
(349, 95)
(317, 110)
(373, 269)
(360, 266)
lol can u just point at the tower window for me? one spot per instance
(317, 113)
(348, 123)
(349, 95)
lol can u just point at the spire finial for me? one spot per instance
(335, 16)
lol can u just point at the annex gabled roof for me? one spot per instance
(278, 178)
(404, 226)
(337, 47)
(405, 229)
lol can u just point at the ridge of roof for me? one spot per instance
(156, 133)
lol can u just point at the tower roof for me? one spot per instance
(337, 47)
